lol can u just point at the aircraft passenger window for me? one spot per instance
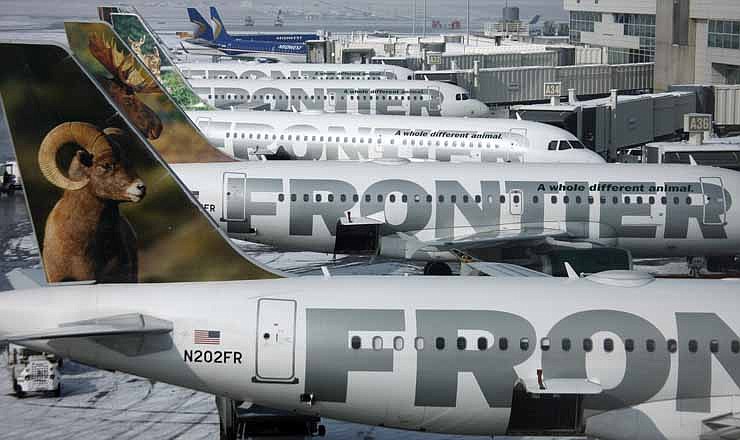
(321, 139)
(565, 344)
(714, 346)
(355, 198)
(354, 140)
(392, 198)
(602, 200)
(331, 197)
(566, 199)
(356, 342)
(615, 200)
(453, 199)
(274, 137)
(502, 199)
(441, 199)
(377, 343)
(462, 343)
(293, 197)
(380, 198)
(651, 200)
(554, 199)
(663, 200)
(590, 200)
(398, 343)
(552, 146)
(545, 344)
(281, 197)
(639, 200)
(482, 344)
(290, 137)
(368, 197)
(503, 344)
(305, 197)
(672, 345)
(318, 197)
(466, 198)
(588, 345)
(417, 198)
(404, 198)
(524, 344)
(650, 345)
(209, 96)
(343, 198)
(693, 346)
(688, 200)
(228, 134)
(627, 200)
(346, 139)
(429, 199)
(419, 343)
(313, 138)
(516, 198)
(439, 343)
(477, 198)
(735, 346)
(629, 345)
(676, 200)
(608, 345)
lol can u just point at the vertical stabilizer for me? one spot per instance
(203, 29)
(219, 33)
(104, 205)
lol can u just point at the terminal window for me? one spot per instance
(724, 34)
(581, 21)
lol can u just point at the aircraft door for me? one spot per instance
(234, 197)
(331, 103)
(275, 341)
(435, 100)
(715, 205)
(515, 202)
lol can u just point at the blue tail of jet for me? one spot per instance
(219, 35)
(204, 30)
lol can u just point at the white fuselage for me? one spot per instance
(434, 354)
(306, 136)
(653, 211)
(254, 70)
(390, 97)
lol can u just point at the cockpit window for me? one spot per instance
(465, 96)
(552, 146)
(564, 145)
(458, 97)
(577, 145)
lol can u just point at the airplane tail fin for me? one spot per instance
(104, 205)
(203, 29)
(220, 35)
(139, 95)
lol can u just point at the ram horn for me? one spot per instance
(87, 136)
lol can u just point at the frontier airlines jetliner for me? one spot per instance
(616, 355)
(524, 213)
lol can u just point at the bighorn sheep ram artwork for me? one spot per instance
(86, 237)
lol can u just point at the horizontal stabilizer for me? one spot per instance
(21, 279)
(500, 270)
(130, 324)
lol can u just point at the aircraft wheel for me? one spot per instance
(322, 431)
(437, 268)
(58, 391)
(18, 390)
(227, 418)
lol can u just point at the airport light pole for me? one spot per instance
(467, 22)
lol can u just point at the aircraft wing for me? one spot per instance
(490, 239)
(129, 324)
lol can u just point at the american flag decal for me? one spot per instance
(207, 337)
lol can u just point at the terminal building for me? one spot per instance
(690, 41)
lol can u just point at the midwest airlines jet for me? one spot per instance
(254, 70)
(617, 355)
(391, 97)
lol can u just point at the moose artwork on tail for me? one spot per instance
(86, 237)
(128, 80)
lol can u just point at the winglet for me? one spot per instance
(572, 275)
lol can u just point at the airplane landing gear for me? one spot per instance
(256, 421)
(227, 418)
(696, 264)
(437, 268)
